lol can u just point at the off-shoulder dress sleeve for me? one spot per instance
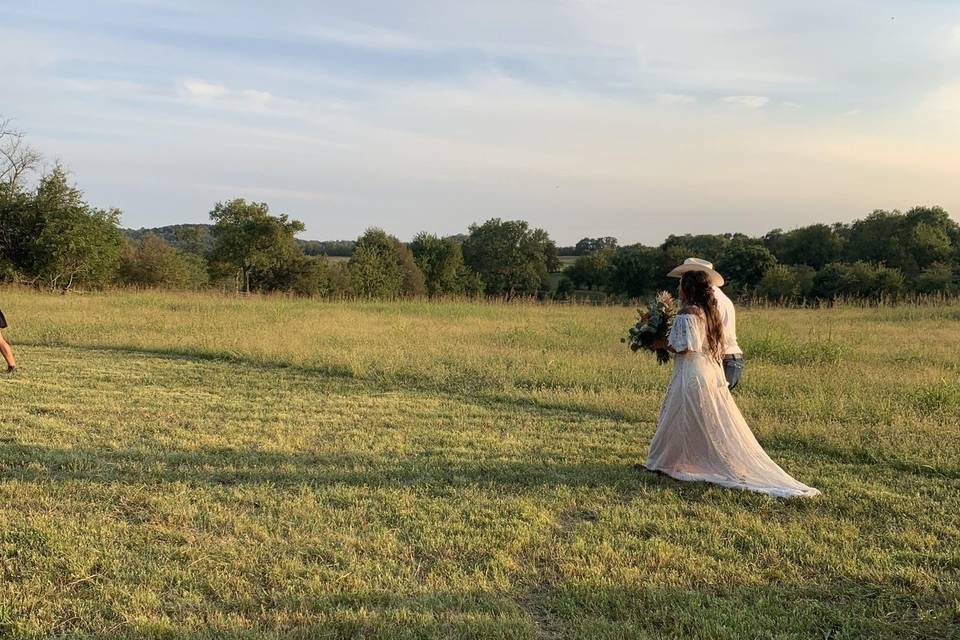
(685, 335)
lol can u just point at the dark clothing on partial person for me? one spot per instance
(733, 369)
(3, 321)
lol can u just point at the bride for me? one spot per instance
(701, 434)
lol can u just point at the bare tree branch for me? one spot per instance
(17, 158)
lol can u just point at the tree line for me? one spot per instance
(887, 254)
(51, 237)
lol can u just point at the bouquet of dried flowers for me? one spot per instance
(653, 326)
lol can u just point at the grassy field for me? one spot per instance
(185, 466)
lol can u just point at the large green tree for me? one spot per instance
(911, 241)
(251, 243)
(591, 270)
(635, 271)
(441, 260)
(705, 246)
(20, 227)
(744, 263)
(383, 267)
(53, 238)
(814, 246)
(511, 258)
(79, 245)
(589, 245)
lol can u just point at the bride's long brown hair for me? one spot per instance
(696, 291)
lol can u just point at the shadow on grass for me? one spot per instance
(225, 357)
(430, 615)
(864, 457)
(459, 388)
(813, 609)
(846, 608)
(491, 396)
(225, 466)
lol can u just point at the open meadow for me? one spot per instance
(179, 466)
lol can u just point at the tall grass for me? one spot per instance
(193, 465)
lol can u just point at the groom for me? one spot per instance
(732, 354)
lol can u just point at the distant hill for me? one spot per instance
(196, 238)
(341, 248)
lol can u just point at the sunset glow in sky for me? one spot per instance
(586, 117)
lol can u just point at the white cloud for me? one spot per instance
(365, 37)
(750, 102)
(955, 36)
(675, 98)
(431, 156)
(209, 94)
(202, 90)
(104, 87)
(257, 97)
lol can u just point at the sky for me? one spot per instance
(627, 118)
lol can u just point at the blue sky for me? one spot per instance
(587, 117)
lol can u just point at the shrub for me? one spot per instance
(783, 283)
(152, 262)
(860, 280)
(937, 278)
(565, 289)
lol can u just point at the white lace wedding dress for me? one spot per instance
(701, 434)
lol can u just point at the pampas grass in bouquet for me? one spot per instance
(653, 325)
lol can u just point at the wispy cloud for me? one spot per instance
(750, 102)
(211, 94)
(365, 37)
(201, 90)
(675, 98)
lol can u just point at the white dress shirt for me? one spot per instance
(728, 315)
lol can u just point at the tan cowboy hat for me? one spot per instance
(696, 264)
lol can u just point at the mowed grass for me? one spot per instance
(189, 466)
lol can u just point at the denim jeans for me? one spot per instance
(733, 369)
